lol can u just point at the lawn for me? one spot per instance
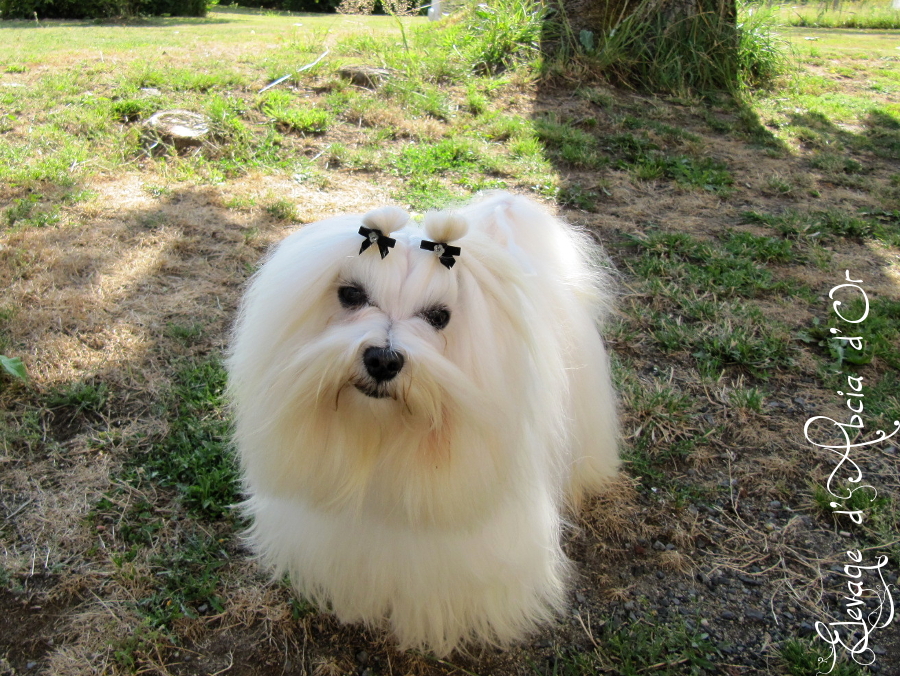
(728, 222)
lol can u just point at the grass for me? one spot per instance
(194, 457)
(728, 220)
(864, 14)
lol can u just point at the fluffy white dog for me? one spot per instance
(416, 408)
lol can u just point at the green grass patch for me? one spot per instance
(828, 225)
(428, 159)
(705, 266)
(194, 457)
(282, 108)
(801, 658)
(670, 649)
(187, 581)
(879, 331)
(568, 144)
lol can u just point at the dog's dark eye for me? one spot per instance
(437, 316)
(352, 297)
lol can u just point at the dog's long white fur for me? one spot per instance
(436, 511)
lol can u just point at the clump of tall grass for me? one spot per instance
(497, 35)
(708, 51)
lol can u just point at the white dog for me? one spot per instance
(415, 411)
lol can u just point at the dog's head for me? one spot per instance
(374, 313)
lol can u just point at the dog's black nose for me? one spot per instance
(382, 363)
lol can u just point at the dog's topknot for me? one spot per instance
(386, 219)
(445, 226)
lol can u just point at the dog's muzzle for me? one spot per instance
(382, 364)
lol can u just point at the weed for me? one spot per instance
(283, 210)
(129, 652)
(879, 334)
(834, 164)
(596, 95)
(476, 102)
(13, 366)
(28, 211)
(663, 415)
(802, 658)
(496, 36)
(755, 345)
(80, 397)
(280, 106)
(759, 248)
(749, 399)
(157, 190)
(669, 649)
(131, 110)
(240, 202)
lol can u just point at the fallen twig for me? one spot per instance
(299, 70)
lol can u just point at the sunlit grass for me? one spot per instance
(867, 14)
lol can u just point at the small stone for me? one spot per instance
(660, 575)
(362, 657)
(659, 546)
(179, 127)
(727, 615)
(754, 615)
(581, 598)
(365, 76)
(806, 629)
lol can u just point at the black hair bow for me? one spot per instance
(374, 236)
(444, 251)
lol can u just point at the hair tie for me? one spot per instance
(381, 222)
(444, 227)
(375, 236)
(444, 251)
